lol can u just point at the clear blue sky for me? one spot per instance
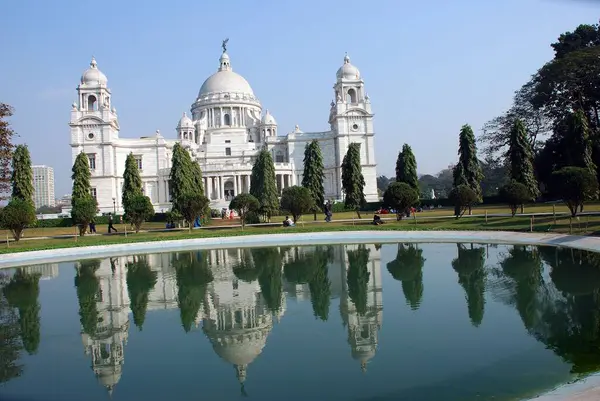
(429, 66)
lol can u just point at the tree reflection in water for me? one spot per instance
(268, 262)
(408, 269)
(88, 291)
(310, 267)
(22, 292)
(140, 281)
(358, 277)
(10, 345)
(192, 274)
(472, 276)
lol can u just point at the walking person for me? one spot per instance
(110, 223)
(93, 226)
(328, 212)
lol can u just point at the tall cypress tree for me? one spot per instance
(314, 173)
(580, 146)
(468, 170)
(132, 182)
(263, 185)
(6, 149)
(22, 292)
(22, 174)
(141, 279)
(406, 167)
(182, 176)
(198, 181)
(520, 159)
(81, 177)
(353, 181)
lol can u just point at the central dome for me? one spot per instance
(225, 80)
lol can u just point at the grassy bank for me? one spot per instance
(586, 225)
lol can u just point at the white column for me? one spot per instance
(212, 187)
(205, 184)
(221, 192)
(236, 190)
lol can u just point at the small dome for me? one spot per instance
(348, 71)
(185, 122)
(268, 119)
(93, 76)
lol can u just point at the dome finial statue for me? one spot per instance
(224, 45)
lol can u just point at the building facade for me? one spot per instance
(43, 186)
(224, 132)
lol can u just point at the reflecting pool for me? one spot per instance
(462, 322)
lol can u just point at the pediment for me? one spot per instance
(356, 112)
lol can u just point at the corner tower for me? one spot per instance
(351, 119)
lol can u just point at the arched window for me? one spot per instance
(227, 119)
(268, 131)
(279, 157)
(92, 103)
(351, 97)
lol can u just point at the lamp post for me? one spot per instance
(114, 206)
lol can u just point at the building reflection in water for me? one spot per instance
(242, 302)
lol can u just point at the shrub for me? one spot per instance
(400, 196)
(83, 211)
(575, 185)
(515, 194)
(16, 216)
(463, 199)
(244, 204)
(297, 200)
(139, 209)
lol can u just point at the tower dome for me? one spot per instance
(225, 81)
(347, 70)
(93, 76)
(268, 119)
(185, 122)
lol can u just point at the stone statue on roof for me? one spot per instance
(224, 45)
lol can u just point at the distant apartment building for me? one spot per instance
(43, 186)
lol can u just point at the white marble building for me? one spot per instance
(225, 130)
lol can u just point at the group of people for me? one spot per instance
(111, 227)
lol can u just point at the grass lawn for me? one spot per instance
(586, 225)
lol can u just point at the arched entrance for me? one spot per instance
(229, 190)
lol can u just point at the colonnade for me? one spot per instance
(225, 187)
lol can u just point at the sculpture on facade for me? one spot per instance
(224, 45)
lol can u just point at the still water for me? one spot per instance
(462, 322)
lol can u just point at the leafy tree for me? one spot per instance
(81, 177)
(520, 159)
(193, 275)
(140, 281)
(314, 174)
(406, 167)
(198, 181)
(515, 194)
(408, 268)
(400, 196)
(297, 200)
(471, 276)
(358, 277)
(353, 182)
(580, 146)
(48, 209)
(10, 344)
(132, 183)
(244, 204)
(139, 209)
(191, 206)
(263, 185)
(463, 198)
(382, 183)
(468, 170)
(497, 132)
(83, 211)
(575, 185)
(16, 216)
(6, 149)
(88, 288)
(22, 174)
(22, 292)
